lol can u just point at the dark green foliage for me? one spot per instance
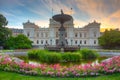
(88, 54)
(33, 54)
(18, 42)
(110, 39)
(44, 56)
(71, 57)
(55, 57)
(4, 32)
(51, 57)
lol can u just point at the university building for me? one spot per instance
(84, 37)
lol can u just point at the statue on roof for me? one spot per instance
(62, 11)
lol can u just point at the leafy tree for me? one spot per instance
(110, 39)
(4, 32)
(3, 21)
(19, 42)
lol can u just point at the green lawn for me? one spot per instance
(15, 76)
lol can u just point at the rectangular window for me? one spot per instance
(37, 41)
(80, 34)
(28, 34)
(37, 34)
(94, 41)
(80, 41)
(85, 42)
(76, 42)
(84, 34)
(41, 41)
(75, 34)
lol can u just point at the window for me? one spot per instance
(80, 41)
(94, 34)
(76, 42)
(46, 42)
(37, 34)
(56, 34)
(84, 34)
(41, 34)
(41, 41)
(75, 34)
(94, 41)
(85, 42)
(80, 34)
(46, 35)
(65, 34)
(28, 34)
(37, 42)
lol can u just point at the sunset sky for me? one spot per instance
(106, 12)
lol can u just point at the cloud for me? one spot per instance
(42, 23)
(10, 3)
(107, 12)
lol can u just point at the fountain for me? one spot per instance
(62, 43)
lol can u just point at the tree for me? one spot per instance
(110, 39)
(4, 32)
(19, 42)
(3, 21)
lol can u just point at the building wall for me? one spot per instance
(86, 36)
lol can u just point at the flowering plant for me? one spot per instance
(110, 66)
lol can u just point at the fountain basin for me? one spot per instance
(62, 18)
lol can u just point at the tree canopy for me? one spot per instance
(110, 39)
(18, 42)
(3, 21)
(4, 31)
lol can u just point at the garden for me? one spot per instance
(46, 69)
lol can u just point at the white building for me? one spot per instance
(85, 37)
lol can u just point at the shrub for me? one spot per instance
(88, 54)
(71, 57)
(50, 57)
(44, 56)
(33, 54)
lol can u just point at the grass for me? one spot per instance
(15, 76)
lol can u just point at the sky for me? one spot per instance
(17, 12)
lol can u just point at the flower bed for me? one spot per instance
(8, 63)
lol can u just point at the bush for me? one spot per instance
(71, 57)
(50, 57)
(55, 57)
(33, 54)
(44, 56)
(88, 54)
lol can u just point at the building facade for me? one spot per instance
(85, 37)
(16, 32)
